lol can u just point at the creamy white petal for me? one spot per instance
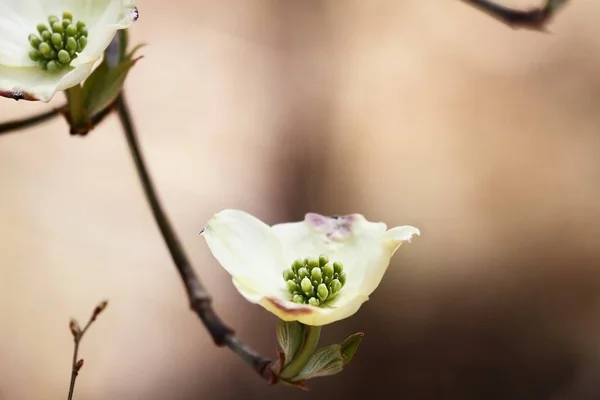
(347, 306)
(350, 239)
(390, 242)
(108, 16)
(34, 84)
(18, 19)
(247, 249)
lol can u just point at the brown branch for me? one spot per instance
(199, 299)
(77, 337)
(535, 19)
(17, 125)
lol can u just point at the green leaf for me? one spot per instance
(324, 362)
(350, 346)
(131, 54)
(104, 85)
(290, 336)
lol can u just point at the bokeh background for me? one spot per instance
(421, 112)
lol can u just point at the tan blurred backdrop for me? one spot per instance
(421, 112)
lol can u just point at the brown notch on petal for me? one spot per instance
(335, 228)
(17, 95)
(291, 311)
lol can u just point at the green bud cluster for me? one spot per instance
(314, 281)
(58, 43)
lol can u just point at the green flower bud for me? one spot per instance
(35, 55)
(338, 267)
(298, 299)
(46, 35)
(80, 25)
(313, 301)
(64, 57)
(53, 66)
(312, 263)
(57, 40)
(43, 64)
(323, 259)
(66, 22)
(52, 19)
(291, 286)
(328, 270)
(336, 286)
(306, 286)
(34, 41)
(83, 32)
(67, 15)
(41, 28)
(322, 292)
(57, 27)
(316, 275)
(71, 44)
(45, 49)
(71, 30)
(288, 274)
(81, 43)
(297, 265)
(303, 273)
(342, 278)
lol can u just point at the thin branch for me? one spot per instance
(17, 125)
(77, 337)
(24, 123)
(200, 300)
(535, 19)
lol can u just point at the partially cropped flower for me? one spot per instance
(317, 271)
(47, 46)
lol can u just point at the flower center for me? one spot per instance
(57, 46)
(314, 281)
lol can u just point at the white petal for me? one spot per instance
(347, 306)
(34, 84)
(350, 239)
(18, 19)
(390, 242)
(105, 18)
(247, 248)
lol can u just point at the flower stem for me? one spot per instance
(24, 123)
(200, 300)
(313, 333)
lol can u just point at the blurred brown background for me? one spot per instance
(417, 112)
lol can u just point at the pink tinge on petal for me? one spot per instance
(296, 311)
(336, 228)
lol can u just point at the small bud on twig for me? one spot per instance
(79, 365)
(99, 308)
(75, 328)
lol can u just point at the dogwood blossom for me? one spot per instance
(317, 271)
(47, 46)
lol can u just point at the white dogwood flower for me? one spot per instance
(317, 271)
(47, 46)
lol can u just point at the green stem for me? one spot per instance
(313, 333)
(75, 102)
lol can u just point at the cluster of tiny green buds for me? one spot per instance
(58, 44)
(314, 281)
